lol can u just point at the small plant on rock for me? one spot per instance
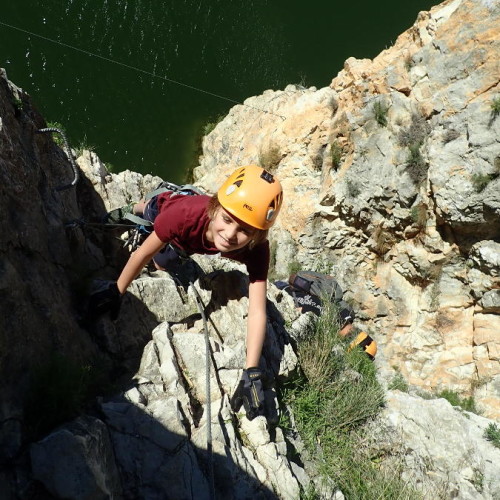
(480, 181)
(454, 399)
(336, 152)
(398, 383)
(380, 111)
(270, 157)
(419, 215)
(492, 434)
(209, 126)
(57, 138)
(413, 138)
(495, 107)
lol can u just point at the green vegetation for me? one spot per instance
(416, 163)
(495, 107)
(18, 104)
(57, 138)
(492, 433)
(418, 215)
(480, 181)
(413, 138)
(270, 157)
(454, 399)
(398, 383)
(209, 126)
(331, 400)
(380, 111)
(293, 267)
(109, 167)
(83, 146)
(336, 152)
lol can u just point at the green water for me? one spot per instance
(142, 120)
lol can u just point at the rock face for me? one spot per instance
(392, 182)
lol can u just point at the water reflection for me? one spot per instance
(140, 120)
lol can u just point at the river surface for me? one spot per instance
(138, 79)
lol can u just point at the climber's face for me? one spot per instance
(228, 233)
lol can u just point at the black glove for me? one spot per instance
(106, 299)
(250, 393)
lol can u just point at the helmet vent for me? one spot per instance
(267, 176)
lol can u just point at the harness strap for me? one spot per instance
(185, 189)
(138, 220)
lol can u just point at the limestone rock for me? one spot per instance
(419, 431)
(77, 461)
(391, 182)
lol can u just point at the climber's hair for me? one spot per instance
(213, 207)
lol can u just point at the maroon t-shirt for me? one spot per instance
(183, 221)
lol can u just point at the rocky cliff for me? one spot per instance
(392, 178)
(391, 183)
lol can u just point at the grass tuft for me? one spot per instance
(380, 111)
(336, 394)
(492, 434)
(454, 399)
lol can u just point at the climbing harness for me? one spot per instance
(69, 154)
(142, 227)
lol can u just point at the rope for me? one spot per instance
(199, 302)
(140, 70)
(69, 154)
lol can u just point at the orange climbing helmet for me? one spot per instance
(366, 343)
(253, 195)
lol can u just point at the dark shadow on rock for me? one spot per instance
(168, 464)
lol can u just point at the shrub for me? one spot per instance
(334, 397)
(480, 181)
(209, 126)
(336, 152)
(413, 138)
(398, 383)
(57, 138)
(293, 267)
(495, 107)
(454, 399)
(418, 215)
(380, 113)
(416, 133)
(270, 157)
(492, 433)
(416, 163)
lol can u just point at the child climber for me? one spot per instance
(234, 223)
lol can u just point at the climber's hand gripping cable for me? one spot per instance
(250, 393)
(106, 299)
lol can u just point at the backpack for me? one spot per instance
(318, 284)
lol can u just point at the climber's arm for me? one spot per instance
(151, 246)
(257, 319)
